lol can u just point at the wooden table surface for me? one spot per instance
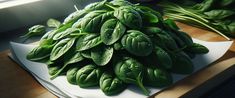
(15, 82)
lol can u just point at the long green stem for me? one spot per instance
(78, 34)
(66, 64)
(177, 8)
(57, 73)
(195, 15)
(110, 6)
(140, 84)
(76, 8)
(174, 16)
(146, 92)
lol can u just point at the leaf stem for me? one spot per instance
(140, 84)
(177, 8)
(58, 72)
(192, 14)
(75, 7)
(175, 16)
(110, 6)
(79, 34)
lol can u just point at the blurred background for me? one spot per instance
(16, 16)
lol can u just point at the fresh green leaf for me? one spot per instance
(185, 38)
(70, 57)
(118, 46)
(54, 67)
(73, 17)
(111, 85)
(129, 16)
(226, 3)
(156, 77)
(53, 23)
(219, 14)
(93, 21)
(63, 34)
(41, 52)
(111, 31)
(148, 9)
(88, 76)
(197, 48)
(165, 40)
(61, 48)
(88, 41)
(35, 30)
(130, 71)
(73, 57)
(137, 43)
(86, 54)
(101, 55)
(96, 6)
(52, 33)
(149, 17)
(121, 3)
(162, 57)
(171, 24)
(182, 64)
(48, 35)
(71, 75)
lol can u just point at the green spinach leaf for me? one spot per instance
(35, 30)
(41, 52)
(73, 17)
(71, 75)
(156, 77)
(129, 16)
(96, 6)
(93, 21)
(130, 71)
(149, 17)
(53, 23)
(65, 33)
(162, 57)
(70, 57)
(86, 54)
(111, 31)
(197, 48)
(121, 3)
(137, 43)
(110, 84)
(171, 24)
(61, 48)
(88, 41)
(219, 14)
(182, 64)
(102, 55)
(88, 76)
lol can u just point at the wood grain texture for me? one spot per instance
(203, 34)
(17, 83)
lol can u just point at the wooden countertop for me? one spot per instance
(15, 82)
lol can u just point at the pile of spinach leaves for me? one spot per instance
(214, 15)
(115, 44)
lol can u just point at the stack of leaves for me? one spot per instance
(215, 15)
(115, 44)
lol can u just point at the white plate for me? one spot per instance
(216, 50)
